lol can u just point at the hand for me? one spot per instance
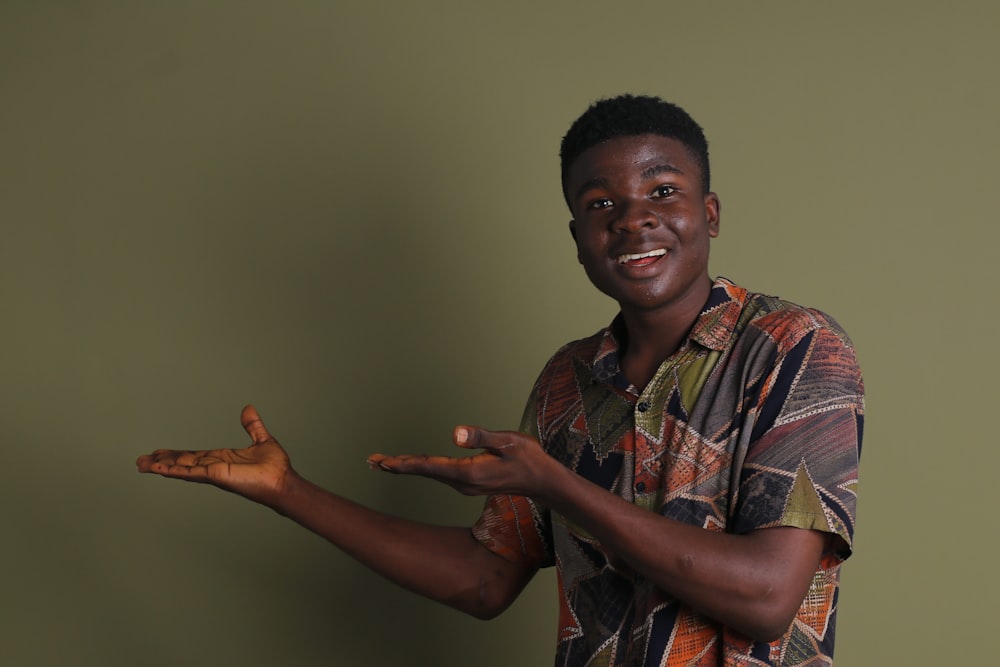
(258, 472)
(512, 463)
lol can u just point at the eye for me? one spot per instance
(664, 191)
(598, 204)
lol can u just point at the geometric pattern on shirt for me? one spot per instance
(754, 422)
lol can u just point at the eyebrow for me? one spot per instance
(590, 185)
(658, 169)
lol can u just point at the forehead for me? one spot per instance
(631, 155)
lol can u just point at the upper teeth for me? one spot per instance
(622, 259)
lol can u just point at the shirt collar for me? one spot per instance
(720, 315)
(712, 329)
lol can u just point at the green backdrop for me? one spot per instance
(349, 214)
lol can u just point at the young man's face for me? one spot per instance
(642, 222)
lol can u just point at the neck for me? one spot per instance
(655, 335)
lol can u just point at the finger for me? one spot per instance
(191, 466)
(439, 467)
(466, 436)
(182, 457)
(468, 475)
(403, 463)
(146, 462)
(253, 425)
(190, 473)
(375, 461)
(472, 437)
(192, 459)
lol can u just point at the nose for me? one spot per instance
(634, 217)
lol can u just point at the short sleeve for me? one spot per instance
(515, 527)
(801, 465)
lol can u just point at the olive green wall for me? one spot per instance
(349, 214)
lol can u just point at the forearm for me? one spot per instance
(442, 563)
(752, 583)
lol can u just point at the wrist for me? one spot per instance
(551, 476)
(288, 493)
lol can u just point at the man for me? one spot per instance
(690, 470)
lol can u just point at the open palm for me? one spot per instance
(258, 471)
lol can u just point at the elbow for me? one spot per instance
(495, 596)
(485, 609)
(768, 632)
(487, 601)
(769, 619)
(764, 629)
(497, 586)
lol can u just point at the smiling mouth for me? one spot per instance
(642, 258)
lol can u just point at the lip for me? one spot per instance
(641, 258)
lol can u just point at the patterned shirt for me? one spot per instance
(754, 422)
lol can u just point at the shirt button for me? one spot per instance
(642, 406)
(640, 487)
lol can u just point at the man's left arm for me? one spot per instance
(753, 583)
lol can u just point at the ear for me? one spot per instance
(713, 212)
(572, 232)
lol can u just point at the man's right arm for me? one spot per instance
(446, 564)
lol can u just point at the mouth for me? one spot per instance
(641, 258)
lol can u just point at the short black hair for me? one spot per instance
(629, 116)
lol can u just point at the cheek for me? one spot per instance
(588, 249)
(593, 263)
(697, 232)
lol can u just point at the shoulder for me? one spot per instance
(798, 346)
(556, 394)
(574, 357)
(787, 324)
(584, 350)
(775, 335)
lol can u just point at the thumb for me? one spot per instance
(473, 437)
(253, 425)
(466, 436)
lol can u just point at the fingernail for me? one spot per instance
(461, 436)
